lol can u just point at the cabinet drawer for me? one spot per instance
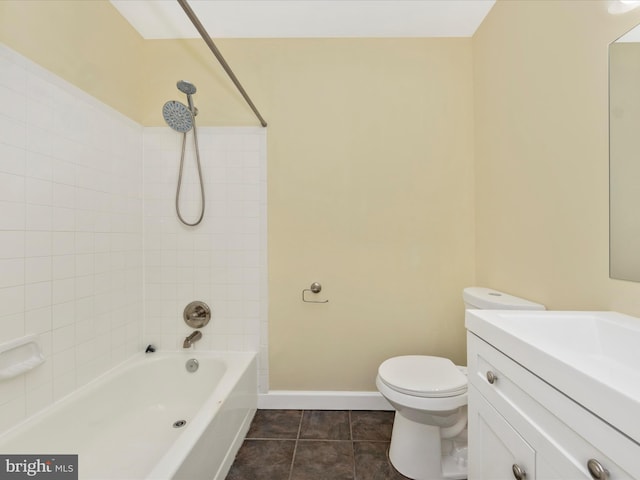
(553, 424)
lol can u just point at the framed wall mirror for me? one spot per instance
(624, 157)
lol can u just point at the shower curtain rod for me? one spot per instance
(207, 39)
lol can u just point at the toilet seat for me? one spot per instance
(423, 376)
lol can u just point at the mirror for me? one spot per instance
(624, 157)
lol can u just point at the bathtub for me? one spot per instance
(121, 425)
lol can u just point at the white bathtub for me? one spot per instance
(121, 424)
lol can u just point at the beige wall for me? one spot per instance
(87, 43)
(370, 193)
(218, 101)
(541, 129)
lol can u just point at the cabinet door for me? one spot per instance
(494, 446)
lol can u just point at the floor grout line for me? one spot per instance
(300, 449)
(353, 450)
(295, 447)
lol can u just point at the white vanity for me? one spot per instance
(553, 395)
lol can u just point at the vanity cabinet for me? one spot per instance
(522, 427)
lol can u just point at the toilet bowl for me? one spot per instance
(429, 395)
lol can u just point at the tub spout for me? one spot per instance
(191, 339)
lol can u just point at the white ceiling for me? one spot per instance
(158, 19)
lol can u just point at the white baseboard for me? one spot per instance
(322, 400)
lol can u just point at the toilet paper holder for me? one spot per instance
(314, 288)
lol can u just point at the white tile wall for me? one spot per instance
(83, 250)
(222, 261)
(70, 233)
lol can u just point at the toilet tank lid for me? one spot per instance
(489, 299)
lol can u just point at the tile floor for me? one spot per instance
(316, 445)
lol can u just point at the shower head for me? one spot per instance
(178, 116)
(189, 89)
(186, 87)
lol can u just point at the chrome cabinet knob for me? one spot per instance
(491, 377)
(518, 471)
(596, 470)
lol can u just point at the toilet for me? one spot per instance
(429, 395)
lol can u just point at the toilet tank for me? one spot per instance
(489, 299)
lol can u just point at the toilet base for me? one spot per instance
(416, 452)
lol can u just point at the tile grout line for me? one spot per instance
(295, 447)
(300, 442)
(353, 450)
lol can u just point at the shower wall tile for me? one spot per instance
(70, 233)
(83, 251)
(222, 261)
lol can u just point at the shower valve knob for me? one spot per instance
(197, 314)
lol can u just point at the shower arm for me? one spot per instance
(207, 39)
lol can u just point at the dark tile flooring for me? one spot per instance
(316, 445)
